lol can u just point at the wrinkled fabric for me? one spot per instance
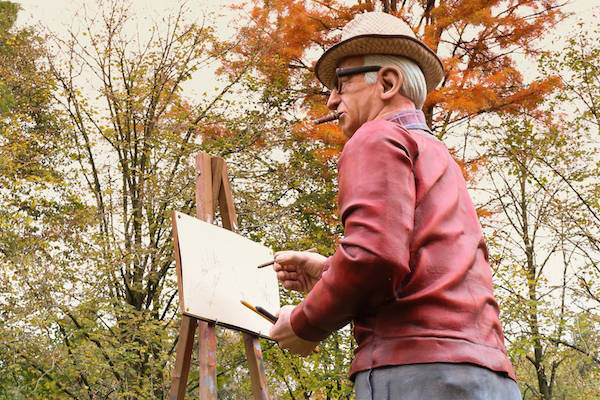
(439, 381)
(412, 270)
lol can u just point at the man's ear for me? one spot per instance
(391, 81)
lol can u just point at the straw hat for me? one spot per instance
(380, 33)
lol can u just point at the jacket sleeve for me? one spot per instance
(376, 202)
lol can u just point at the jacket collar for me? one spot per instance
(411, 119)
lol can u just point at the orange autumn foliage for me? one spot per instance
(474, 38)
(471, 168)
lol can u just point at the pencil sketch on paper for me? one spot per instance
(218, 269)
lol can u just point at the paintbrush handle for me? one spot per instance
(255, 309)
(311, 250)
(267, 314)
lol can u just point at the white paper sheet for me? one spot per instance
(219, 268)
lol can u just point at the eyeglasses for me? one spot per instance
(341, 72)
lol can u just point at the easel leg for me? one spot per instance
(212, 186)
(207, 347)
(182, 358)
(256, 367)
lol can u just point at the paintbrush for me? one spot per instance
(311, 250)
(261, 311)
(266, 315)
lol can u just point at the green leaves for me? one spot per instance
(544, 238)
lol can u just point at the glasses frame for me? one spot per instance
(341, 72)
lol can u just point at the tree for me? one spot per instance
(579, 102)
(27, 125)
(475, 40)
(37, 211)
(94, 315)
(534, 250)
(103, 291)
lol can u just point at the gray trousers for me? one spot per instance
(436, 381)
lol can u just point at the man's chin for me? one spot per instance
(345, 124)
(347, 130)
(348, 133)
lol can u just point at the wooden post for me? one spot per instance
(183, 358)
(207, 347)
(212, 188)
(207, 358)
(256, 367)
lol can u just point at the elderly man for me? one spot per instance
(412, 270)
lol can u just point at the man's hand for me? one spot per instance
(298, 270)
(283, 333)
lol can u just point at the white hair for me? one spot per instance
(413, 80)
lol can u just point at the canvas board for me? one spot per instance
(218, 269)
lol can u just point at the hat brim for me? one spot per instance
(397, 45)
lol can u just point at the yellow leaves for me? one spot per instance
(483, 213)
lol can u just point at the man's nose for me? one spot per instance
(334, 100)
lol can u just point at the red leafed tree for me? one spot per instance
(476, 40)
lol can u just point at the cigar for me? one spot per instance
(327, 118)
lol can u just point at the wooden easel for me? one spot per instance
(212, 188)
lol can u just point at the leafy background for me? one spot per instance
(99, 123)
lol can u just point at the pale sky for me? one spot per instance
(57, 14)
(53, 12)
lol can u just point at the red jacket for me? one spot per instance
(412, 270)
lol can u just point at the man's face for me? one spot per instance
(357, 102)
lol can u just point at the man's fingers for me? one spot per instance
(289, 257)
(292, 285)
(284, 267)
(286, 276)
